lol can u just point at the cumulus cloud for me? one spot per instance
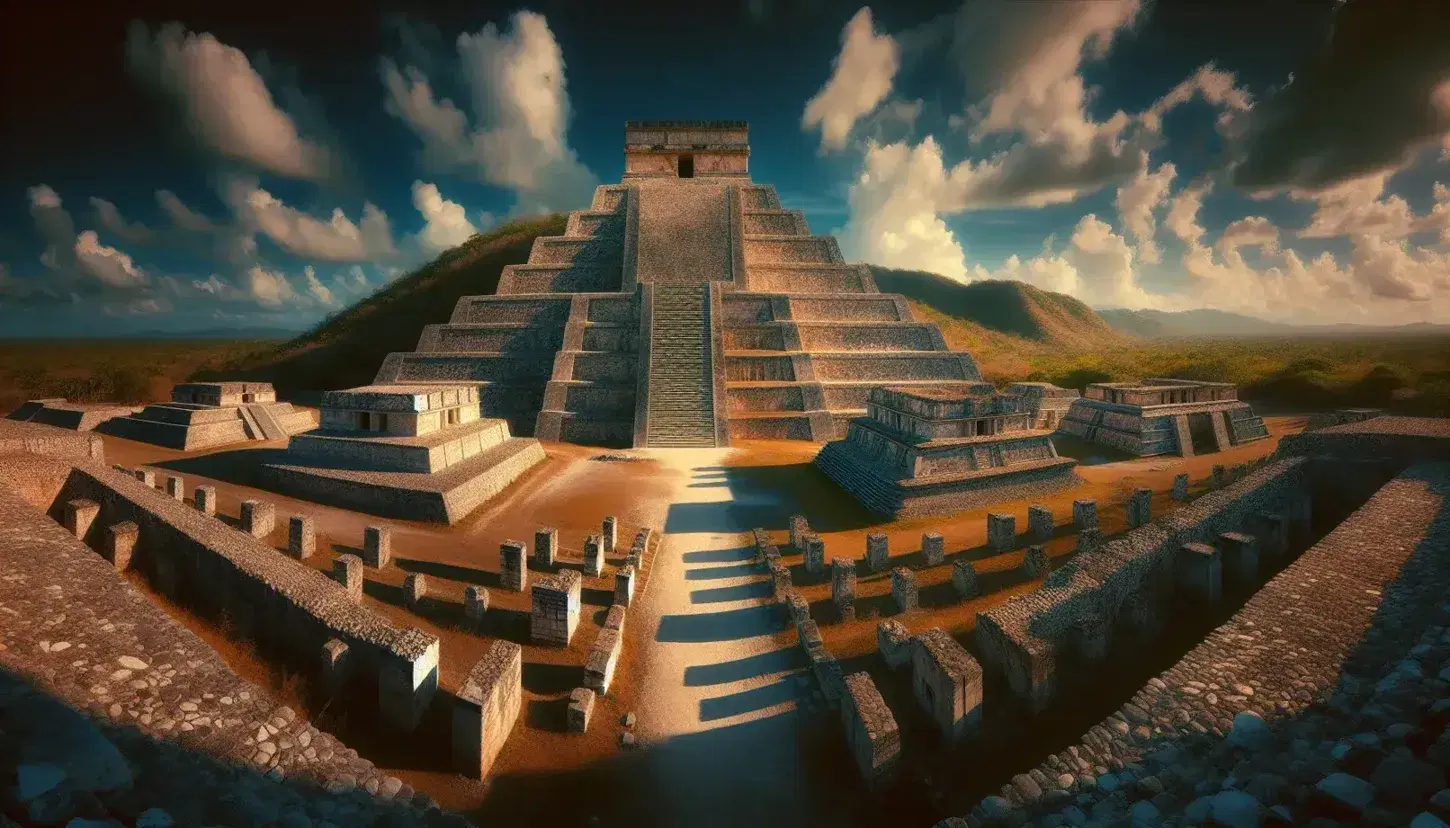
(1357, 206)
(1097, 266)
(1138, 200)
(520, 113)
(894, 206)
(109, 265)
(226, 104)
(860, 80)
(445, 223)
(316, 289)
(109, 216)
(337, 238)
(182, 216)
(1249, 231)
(1217, 87)
(1182, 218)
(79, 261)
(268, 287)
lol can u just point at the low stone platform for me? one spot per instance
(49, 441)
(206, 415)
(1164, 416)
(72, 416)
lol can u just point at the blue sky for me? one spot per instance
(269, 164)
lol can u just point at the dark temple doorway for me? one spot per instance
(687, 166)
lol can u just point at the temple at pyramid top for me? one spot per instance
(686, 149)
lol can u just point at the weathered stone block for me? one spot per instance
(1085, 514)
(798, 607)
(335, 665)
(933, 548)
(799, 531)
(487, 708)
(1039, 522)
(903, 589)
(475, 604)
(1140, 508)
(301, 537)
(614, 619)
(964, 579)
(119, 544)
(1220, 476)
(594, 556)
(829, 675)
(259, 517)
(546, 546)
(555, 612)
(205, 500)
(1035, 563)
(1199, 571)
(843, 587)
(947, 683)
(871, 730)
(377, 546)
(1240, 556)
(147, 476)
(1180, 487)
(1089, 539)
(878, 552)
(815, 554)
(1272, 531)
(347, 570)
(79, 515)
(581, 707)
(1001, 532)
(603, 657)
(808, 635)
(513, 572)
(415, 589)
(624, 585)
(894, 643)
(175, 487)
(609, 532)
(780, 581)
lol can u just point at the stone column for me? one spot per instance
(486, 709)
(554, 614)
(259, 517)
(1035, 563)
(377, 546)
(1240, 557)
(79, 515)
(1085, 514)
(964, 579)
(301, 537)
(594, 556)
(1140, 508)
(1001, 532)
(1199, 571)
(120, 544)
(335, 664)
(610, 533)
(1272, 531)
(348, 571)
(175, 487)
(903, 589)
(799, 530)
(1220, 476)
(1089, 539)
(1039, 522)
(843, 588)
(513, 574)
(581, 706)
(624, 585)
(815, 554)
(1180, 488)
(147, 476)
(415, 589)
(206, 500)
(933, 548)
(546, 546)
(475, 605)
(878, 552)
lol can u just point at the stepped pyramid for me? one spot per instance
(683, 308)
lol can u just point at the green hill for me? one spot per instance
(346, 349)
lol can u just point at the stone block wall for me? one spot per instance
(893, 641)
(871, 730)
(486, 709)
(513, 568)
(1001, 532)
(603, 658)
(843, 587)
(555, 613)
(947, 683)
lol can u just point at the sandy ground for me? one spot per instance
(729, 732)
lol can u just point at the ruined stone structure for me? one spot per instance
(1164, 416)
(203, 415)
(683, 308)
(486, 708)
(1048, 403)
(871, 730)
(555, 613)
(419, 452)
(947, 683)
(927, 450)
(55, 411)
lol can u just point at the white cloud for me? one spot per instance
(182, 216)
(1249, 231)
(110, 218)
(1182, 218)
(894, 206)
(1356, 206)
(520, 114)
(445, 224)
(315, 288)
(1137, 200)
(335, 239)
(1097, 266)
(860, 80)
(226, 104)
(268, 287)
(1219, 88)
(109, 265)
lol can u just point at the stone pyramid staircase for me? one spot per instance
(681, 377)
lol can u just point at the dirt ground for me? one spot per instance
(729, 730)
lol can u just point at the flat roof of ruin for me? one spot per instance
(941, 394)
(1154, 383)
(224, 386)
(687, 125)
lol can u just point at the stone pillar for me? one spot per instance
(798, 606)
(799, 530)
(624, 585)
(120, 544)
(614, 619)
(415, 589)
(175, 487)
(1240, 554)
(1140, 508)
(1271, 529)
(610, 533)
(348, 571)
(1199, 571)
(259, 518)
(780, 582)
(871, 731)
(603, 658)
(555, 611)
(301, 537)
(475, 605)
(815, 554)
(594, 556)
(903, 589)
(546, 546)
(843, 588)
(205, 500)
(513, 574)
(894, 643)
(581, 705)
(1085, 514)
(1220, 476)
(377, 546)
(878, 552)
(79, 515)
(1039, 522)
(147, 476)
(964, 579)
(947, 682)
(487, 707)
(1035, 563)
(335, 664)
(1089, 539)
(933, 548)
(1180, 488)
(1001, 532)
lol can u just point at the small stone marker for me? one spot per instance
(1039, 522)
(205, 500)
(843, 588)
(1140, 508)
(79, 515)
(555, 613)
(259, 517)
(1180, 488)
(878, 552)
(903, 589)
(513, 574)
(147, 476)
(334, 665)
(347, 570)
(799, 531)
(1001, 531)
(1089, 539)
(933, 548)
(1199, 571)
(624, 585)
(581, 706)
(1085, 514)
(1240, 557)
(594, 556)
(415, 589)
(475, 604)
(120, 544)
(377, 546)
(1035, 563)
(301, 537)
(815, 554)
(894, 643)
(1220, 476)
(546, 545)
(175, 487)
(964, 579)
(610, 533)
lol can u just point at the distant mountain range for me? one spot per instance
(1154, 324)
(208, 333)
